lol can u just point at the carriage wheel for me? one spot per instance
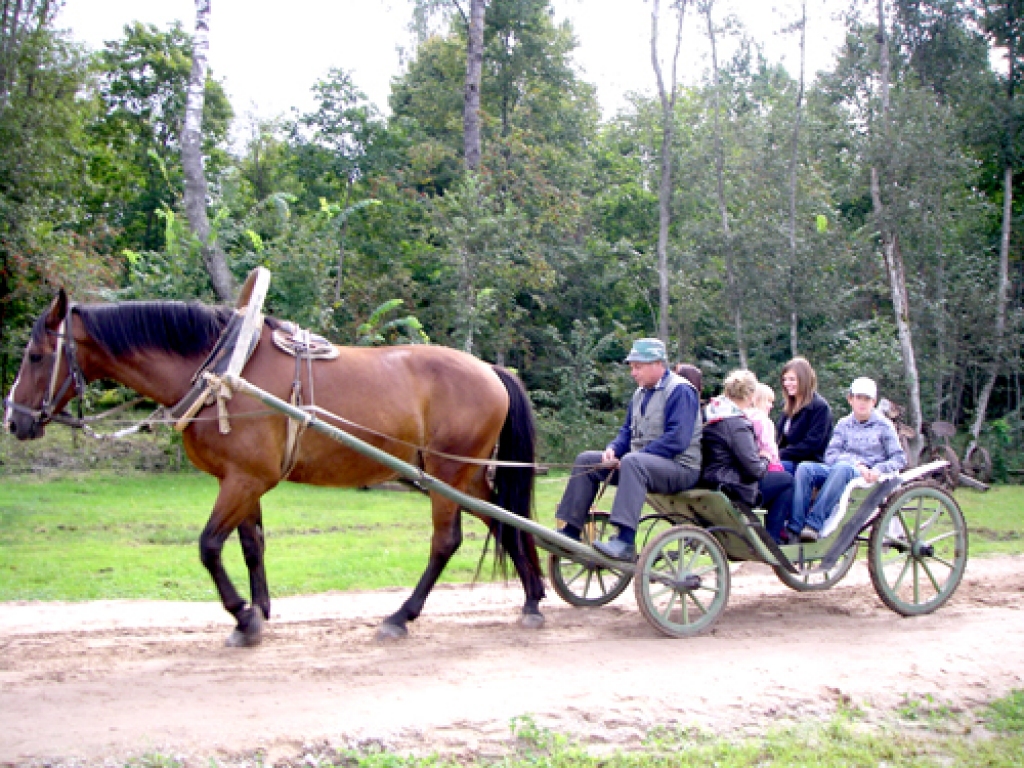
(809, 579)
(585, 584)
(978, 464)
(949, 476)
(918, 549)
(651, 526)
(682, 581)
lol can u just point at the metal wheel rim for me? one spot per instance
(918, 551)
(675, 610)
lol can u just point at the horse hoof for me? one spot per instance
(249, 637)
(531, 620)
(388, 632)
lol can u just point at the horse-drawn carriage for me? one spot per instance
(914, 530)
(434, 417)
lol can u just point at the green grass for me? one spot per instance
(844, 741)
(98, 536)
(995, 519)
(90, 537)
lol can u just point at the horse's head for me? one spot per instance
(49, 375)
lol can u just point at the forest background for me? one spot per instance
(866, 217)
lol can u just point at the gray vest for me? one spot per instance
(650, 426)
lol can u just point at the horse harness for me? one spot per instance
(74, 378)
(208, 388)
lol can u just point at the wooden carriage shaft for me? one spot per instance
(547, 539)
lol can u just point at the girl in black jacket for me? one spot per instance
(805, 428)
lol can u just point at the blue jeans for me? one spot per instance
(831, 480)
(777, 497)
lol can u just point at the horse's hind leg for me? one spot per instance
(445, 542)
(235, 504)
(521, 548)
(250, 533)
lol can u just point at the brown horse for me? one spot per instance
(423, 404)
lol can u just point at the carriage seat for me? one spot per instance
(858, 483)
(698, 506)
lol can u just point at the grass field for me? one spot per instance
(98, 536)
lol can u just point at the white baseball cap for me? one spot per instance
(864, 386)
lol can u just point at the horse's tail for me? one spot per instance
(513, 486)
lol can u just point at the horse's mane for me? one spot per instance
(167, 326)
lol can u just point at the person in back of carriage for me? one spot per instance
(657, 450)
(805, 426)
(864, 444)
(731, 460)
(734, 463)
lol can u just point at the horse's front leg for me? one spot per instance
(235, 504)
(250, 533)
(444, 543)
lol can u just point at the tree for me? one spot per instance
(474, 74)
(336, 149)
(732, 279)
(47, 237)
(665, 186)
(1004, 22)
(136, 134)
(794, 325)
(890, 242)
(192, 160)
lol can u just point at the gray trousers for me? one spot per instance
(638, 475)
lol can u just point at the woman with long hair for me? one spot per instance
(805, 426)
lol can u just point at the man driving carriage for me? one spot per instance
(657, 450)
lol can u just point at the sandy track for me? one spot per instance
(98, 680)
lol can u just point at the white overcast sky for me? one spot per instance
(269, 54)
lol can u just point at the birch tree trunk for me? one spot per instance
(1003, 290)
(1002, 298)
(192, 160)
(892, 256)
(474, 73)
(668, 103)
(794, 326)
(732, 282)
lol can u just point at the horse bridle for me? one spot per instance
(73, 378)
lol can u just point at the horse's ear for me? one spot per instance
(58, 309)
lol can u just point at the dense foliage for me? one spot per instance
(544, 258)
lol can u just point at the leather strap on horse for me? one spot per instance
(229, 355)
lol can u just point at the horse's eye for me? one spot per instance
(34, 358)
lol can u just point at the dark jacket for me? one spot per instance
(731, 462)
(809, 432)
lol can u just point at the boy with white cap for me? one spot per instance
(657, 450)
(864, 443)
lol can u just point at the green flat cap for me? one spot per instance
(647, 351)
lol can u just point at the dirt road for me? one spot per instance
(106, 680)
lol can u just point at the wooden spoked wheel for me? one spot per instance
(682, 581)
(809, 576)
(978, 464)
(950, 475)
(587, 584)
(918, 549)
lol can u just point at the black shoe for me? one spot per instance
(616, 549)
(568, 535)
